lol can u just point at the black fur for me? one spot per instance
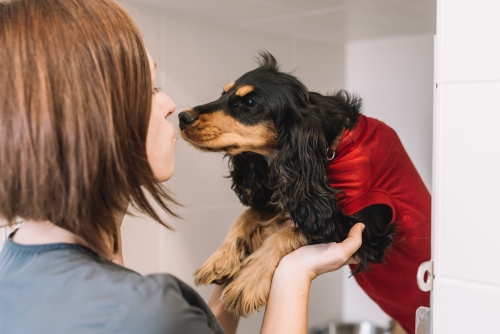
(294, 180)
(250, 174)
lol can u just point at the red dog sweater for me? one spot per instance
(372, 167)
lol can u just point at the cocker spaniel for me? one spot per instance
(315, 159)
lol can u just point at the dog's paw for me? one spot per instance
(249, 290)
(221, 266)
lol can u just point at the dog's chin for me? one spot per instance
(267, 152)
(206, 147)
(234, 149)
(230, 148)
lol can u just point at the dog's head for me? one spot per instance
(240, 119)
(266, 114)
(258, 112)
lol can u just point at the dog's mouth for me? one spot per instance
(218, 132)
(205, 143)
(230, 143)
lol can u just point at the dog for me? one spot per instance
(316, 160)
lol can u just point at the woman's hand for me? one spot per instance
(314, 260)
(286, 310)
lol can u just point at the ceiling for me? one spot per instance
(326, 21)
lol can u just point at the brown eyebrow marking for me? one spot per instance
(244, 90)
(228, 86)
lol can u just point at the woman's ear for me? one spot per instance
(302, 187)
(250, 174)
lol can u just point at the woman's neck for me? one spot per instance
(44, 232)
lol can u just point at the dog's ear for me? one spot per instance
(302, 187)
(250, 173)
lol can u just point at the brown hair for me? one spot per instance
(75, 104)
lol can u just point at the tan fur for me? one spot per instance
(228, 86)
(244, 90)
(249, 290)
(245, 236)
(218, 131)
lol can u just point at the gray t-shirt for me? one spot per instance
(67, 289)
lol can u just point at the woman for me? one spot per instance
(83, 132)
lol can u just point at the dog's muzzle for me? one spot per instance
(186, 118)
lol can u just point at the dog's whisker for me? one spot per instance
(223, 81)
(221, 87)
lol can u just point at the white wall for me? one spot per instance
(394, 76)
(466, 294)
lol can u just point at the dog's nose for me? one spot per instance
(186, 118)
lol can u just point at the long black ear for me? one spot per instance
(302, 187)
(250, 173)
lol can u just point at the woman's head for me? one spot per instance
(74, 112)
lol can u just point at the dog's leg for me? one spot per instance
(246, 235)
(250, 288)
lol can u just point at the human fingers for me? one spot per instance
(340, 254)
(352, 243)
(354, 239)
(321, 258)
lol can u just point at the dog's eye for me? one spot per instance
(249, 103)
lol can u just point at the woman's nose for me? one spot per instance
(170, 105)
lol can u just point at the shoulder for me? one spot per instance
(86, 292)
(158, 303)
(162, 303)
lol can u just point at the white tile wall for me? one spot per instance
(466, 294)
(467, 307)
(469, 40)
(470, 162)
